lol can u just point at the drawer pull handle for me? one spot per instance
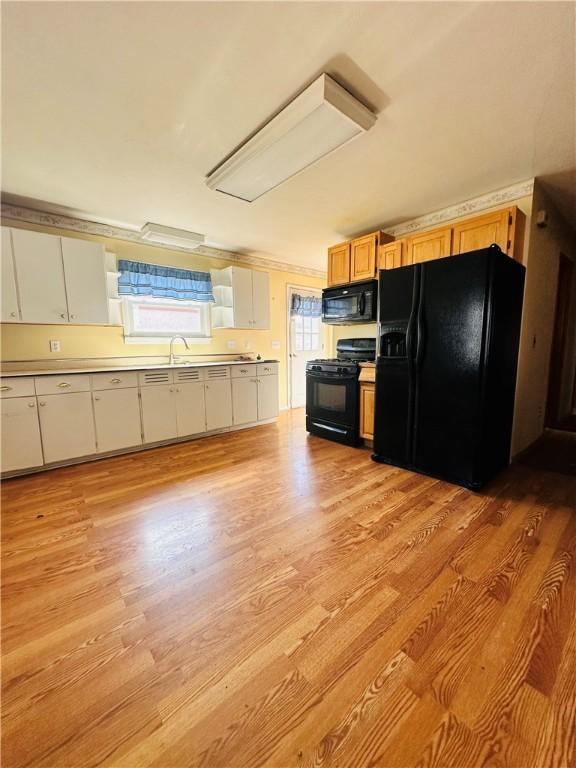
(243, 370)
(5, 388)
(64, 385)
(115, 381)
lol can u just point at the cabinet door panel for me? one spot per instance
(218, 404)
(244, 400)
(21, 444)
(481, 232)
(367, 411)
(242, 290)
(85, 276)
(390, 255)
(9, 308)
(67, 425)
(260, 300)
(429, 245)
(339, 264)
(158, 413)
(267, 397)
(363, 258)
(190, 409)
(40, 277)
(117, 416)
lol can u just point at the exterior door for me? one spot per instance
(245, 400)
(267, 397)
(218, 404)
(117, 417)
(38, 259)
(21, 444)
(158, 413)
(305, 341)
(429, 245)
(190, 409)
(9, 308)
(67, 424)
(85, 274)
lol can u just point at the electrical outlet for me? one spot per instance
(231, 344)
(54, 346)
(275, 345)
(247, 345)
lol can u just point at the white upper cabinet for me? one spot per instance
(10, 309)
(53, 279)
(242, 298)
(85, 277)
(260, 300)
(40, 277)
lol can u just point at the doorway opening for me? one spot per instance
(305, 339)
(561, 400)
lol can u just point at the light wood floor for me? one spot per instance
(265, 598)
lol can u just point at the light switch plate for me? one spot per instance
(54, 346)
(275, 345)
(231, 344)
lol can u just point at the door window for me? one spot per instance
(307, 334)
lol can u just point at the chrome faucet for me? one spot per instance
(172, 359)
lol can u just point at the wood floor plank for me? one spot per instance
(269, 599)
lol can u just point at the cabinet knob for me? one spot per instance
(96, 397)
(12, 314)
(63, 315)
(31, 405)
(42, 403)
(72, 317)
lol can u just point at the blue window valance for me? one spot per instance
(140, 279)
(306, 306)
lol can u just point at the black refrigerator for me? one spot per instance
(448, 334)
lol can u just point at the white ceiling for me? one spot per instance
(117, 111)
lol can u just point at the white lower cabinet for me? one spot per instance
(190, 409)
(268, 405)
(218, 404)
(67, 425)
(158, 413)
(21, 444)
(245, 400)
(117, 417)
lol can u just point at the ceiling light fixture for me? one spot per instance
(322, 118)
(181, 238)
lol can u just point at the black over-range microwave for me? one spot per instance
(349, 304)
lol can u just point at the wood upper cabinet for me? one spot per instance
(392, 255)
(339, 264)
(363, 252)
(425, 246)
(505, 228)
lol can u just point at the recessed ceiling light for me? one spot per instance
(181, 238)
(322, 118)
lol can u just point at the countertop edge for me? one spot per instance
(110, 369)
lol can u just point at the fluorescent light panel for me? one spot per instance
(181, 238)
(321, 119)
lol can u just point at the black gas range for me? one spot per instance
(333, 392)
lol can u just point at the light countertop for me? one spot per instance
(141, 367)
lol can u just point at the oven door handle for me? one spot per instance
(332, 376)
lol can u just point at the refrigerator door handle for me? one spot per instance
(420, 335)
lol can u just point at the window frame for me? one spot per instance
(135, 336)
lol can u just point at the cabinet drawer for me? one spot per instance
(17, 386)
(121, 380)
(267, 369)
(54, 385)
(243, 371)
(157, 376)
(183, 375)
(218, 372)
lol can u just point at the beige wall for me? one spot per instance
(544, 248)
(23, 342)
